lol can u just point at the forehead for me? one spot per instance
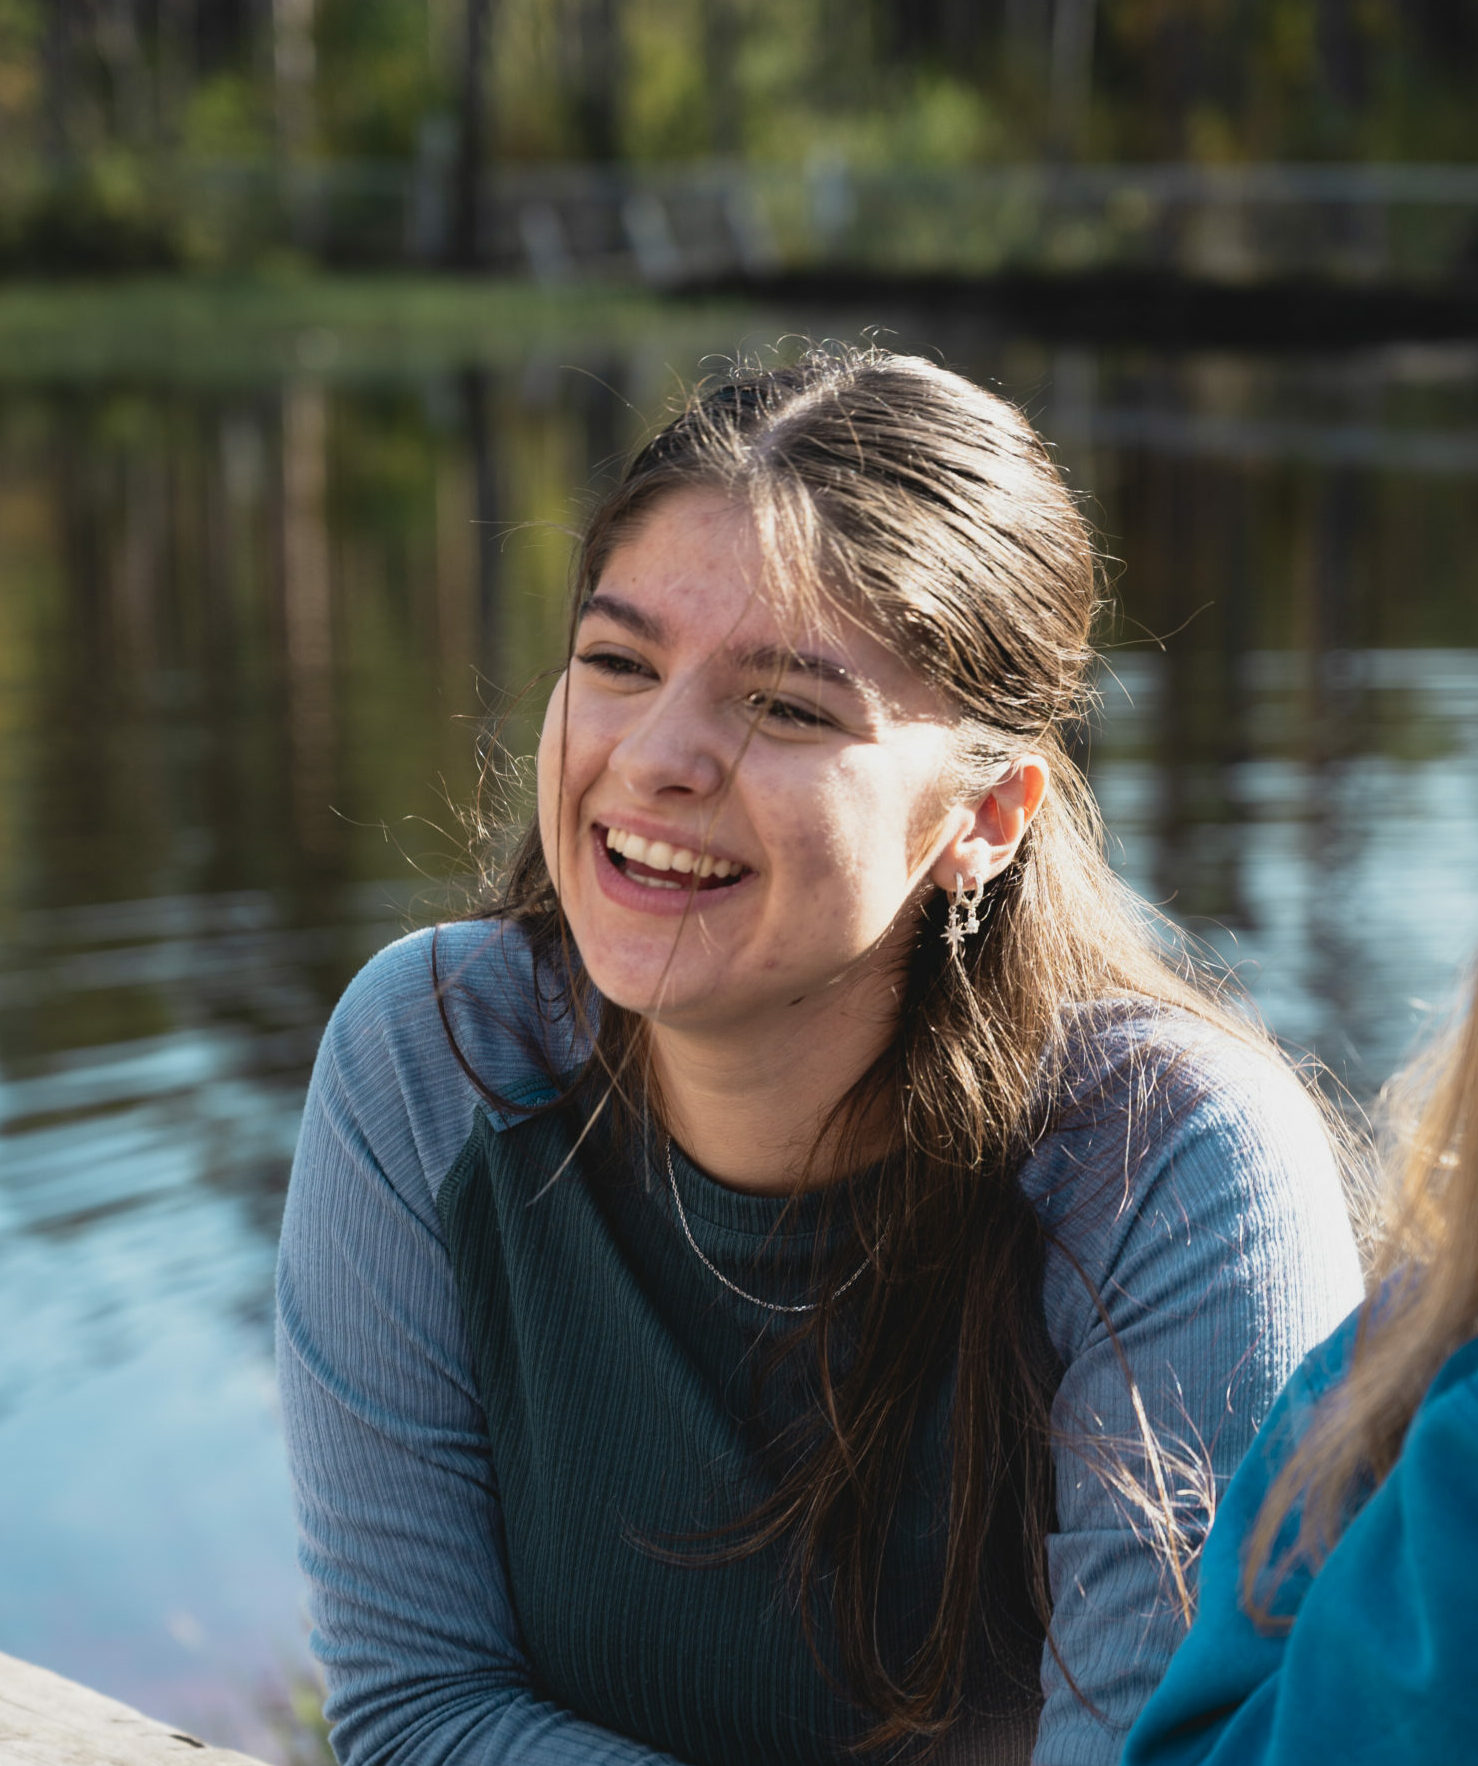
(695, 568)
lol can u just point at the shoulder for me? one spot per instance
(1457, 1379)
(1123, 1049)
(1146, 1091)
(1440, 1441)
(401, 978)
(421, 1018)
(1185, 1158)
(474, 979)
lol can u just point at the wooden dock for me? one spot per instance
(46, 1720)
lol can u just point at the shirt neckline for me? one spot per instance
(786, 1218)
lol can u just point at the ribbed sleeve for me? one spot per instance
(1200, 1246)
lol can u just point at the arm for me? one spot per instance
(1200, 1262)
(1378, 1666)
(398, 1515)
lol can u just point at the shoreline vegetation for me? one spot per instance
(675, 141)
(324, 326)
(306, 323)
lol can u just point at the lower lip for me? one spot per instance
(646, 899)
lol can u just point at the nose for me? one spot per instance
(671, 747)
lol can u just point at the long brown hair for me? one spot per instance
(910, 499)
(1422, 1305)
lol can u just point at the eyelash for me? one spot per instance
(611, 662)
(785, 712)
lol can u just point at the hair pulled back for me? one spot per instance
(888, 490)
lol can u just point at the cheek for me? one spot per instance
(926, 823)
(883, 814)
(883, 822)
(926, 790)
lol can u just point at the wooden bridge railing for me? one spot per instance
(1408, 226)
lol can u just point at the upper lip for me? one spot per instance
(693, 842)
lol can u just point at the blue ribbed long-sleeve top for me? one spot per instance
(514, 1397)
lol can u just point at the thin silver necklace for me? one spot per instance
(718, 1274)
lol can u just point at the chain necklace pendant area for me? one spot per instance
(718, 1274)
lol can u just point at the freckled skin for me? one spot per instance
(838, 821)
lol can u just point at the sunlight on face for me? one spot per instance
(739, 817)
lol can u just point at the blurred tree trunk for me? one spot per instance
(177, 20)
(56, 56)
(307, 614)
(117, 38)
(466, 243)
(293, 67)
(1025, 29)
(597, 75)
(943, 30)
(1341, 61)
(1071, 82)
(224, 32)
(720, 51)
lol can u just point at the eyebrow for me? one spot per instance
(622, 613)
(764, 658)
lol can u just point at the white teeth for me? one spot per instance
(661, 855)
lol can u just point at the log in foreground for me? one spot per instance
(48, 1721)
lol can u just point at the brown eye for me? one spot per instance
(613, 663)
(787, 711)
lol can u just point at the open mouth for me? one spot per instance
(660, 865)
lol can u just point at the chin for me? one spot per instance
(671, 999)
(676, 1002)
(637, 988)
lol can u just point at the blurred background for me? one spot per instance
(318, 321)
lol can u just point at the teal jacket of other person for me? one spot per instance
(1380, 1662)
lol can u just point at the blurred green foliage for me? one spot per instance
(106, 103)
(393, 329)
(293, 1712)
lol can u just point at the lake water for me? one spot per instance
(250, 634)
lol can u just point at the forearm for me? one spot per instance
(412, 1619)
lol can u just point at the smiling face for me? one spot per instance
(740, 818)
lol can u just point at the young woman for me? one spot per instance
(1336, 1616)
(785, 1279)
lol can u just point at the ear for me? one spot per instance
(984, 836)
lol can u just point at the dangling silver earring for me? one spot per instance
(963, 919)
(972, 908)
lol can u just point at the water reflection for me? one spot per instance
(248, 638)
